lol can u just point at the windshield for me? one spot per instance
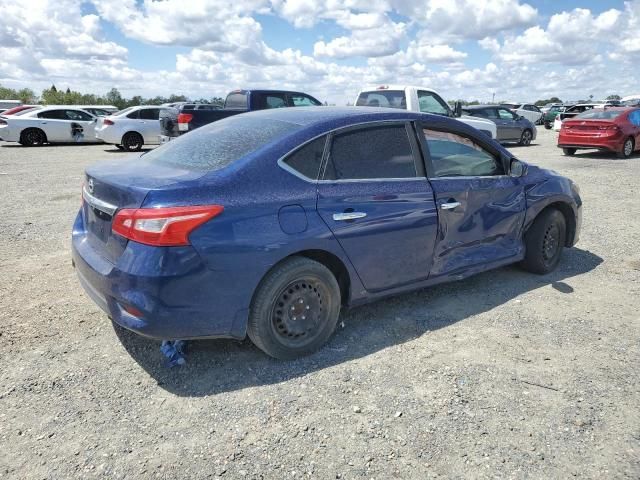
(218, 144)
(122, 112)
(600, 114)
(382, 98)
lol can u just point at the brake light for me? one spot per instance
(169, 226)
(106, 121)
(608, 127)
(184, 117)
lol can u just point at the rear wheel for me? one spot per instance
(295, 309)
(132, 141)
(544, 242)
(33, 137)
(525, 138)
(627, 148)
(569, 151)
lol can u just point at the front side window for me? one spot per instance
(307, 159)
(371, 153)
(505, 114)
(453, 155)
(78, 116)
(429, 102)
(150, 114)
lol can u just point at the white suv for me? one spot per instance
(131, 128)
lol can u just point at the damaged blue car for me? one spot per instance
(266, 224)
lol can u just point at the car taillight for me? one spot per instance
(106, 121)
(608, 127)
(184, 118)
(169, 226)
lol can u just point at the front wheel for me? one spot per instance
(569, 151)
(295, 309)
(132, 142)
(525, 138)
(544, 242)
(627, 148)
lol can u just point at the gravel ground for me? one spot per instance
(504, 375)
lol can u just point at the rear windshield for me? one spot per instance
(236, 100)
(600, 114)
(122, 112)
(218, 144)
(382, 98)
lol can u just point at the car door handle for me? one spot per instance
(342, 217)
(449, 205)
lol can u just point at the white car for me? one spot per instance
(526, 110)
(54, 124)
(131, 128)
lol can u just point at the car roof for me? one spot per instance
(477, 107)
(394, 86)
(329, 118)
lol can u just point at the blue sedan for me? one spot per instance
(268, 223)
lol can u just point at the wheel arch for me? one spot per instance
(25, 130)
(569, 217)
(335, 265)
(131, 131)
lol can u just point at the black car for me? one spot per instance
(511, 126)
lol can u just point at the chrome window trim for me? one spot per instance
(98, 204)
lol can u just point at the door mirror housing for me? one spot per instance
(457, 109)
(517, 168)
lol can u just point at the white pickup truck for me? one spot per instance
(419, 99)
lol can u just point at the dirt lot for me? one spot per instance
(505, 375)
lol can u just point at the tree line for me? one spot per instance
(53, 96)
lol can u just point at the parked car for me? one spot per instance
(132, 128)
(614, 129)
(631, 101)
(182, 119)
(549, 106)
(99, 110)
(268, 223)
(526, 110)
(571, 112)
(21, 108)
(8, 104)
(551, 114)
(38, 126)
(419, 99)
(511, 126)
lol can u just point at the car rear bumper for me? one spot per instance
(581, 142)
(163, 293)
(108, 135)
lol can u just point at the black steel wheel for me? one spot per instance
(544, 242)
(295, 309)
(132, 141)
(33, 137)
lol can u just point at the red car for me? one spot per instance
(14, 110)
(609, 129)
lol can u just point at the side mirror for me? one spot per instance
(457, 109)
(517, 168)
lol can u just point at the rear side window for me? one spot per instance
(307, 160)
(135, 114)
(371, 153)
(53, 114)
(453, 155)
(150, 114)
(77, 115)
(265, 101)
(220, 143)
(300, 100)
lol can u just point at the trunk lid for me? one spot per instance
(111, 186)
(589, 127)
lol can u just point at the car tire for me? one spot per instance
(544, 242)
(569, 151)
(33, 137)
(132, 142)
(627, 148)
(548, 125)
(294, 309)
(525, 138)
